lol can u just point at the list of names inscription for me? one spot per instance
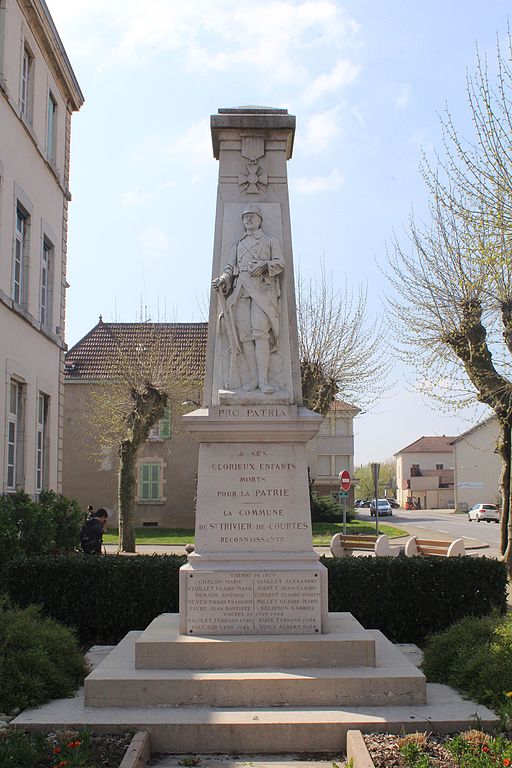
(265, 602)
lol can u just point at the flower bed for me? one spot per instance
(471, 749)
(63, 749)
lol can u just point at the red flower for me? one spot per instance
(57, 750)
(506, 761)
(485, 748)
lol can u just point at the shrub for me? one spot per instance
(39, 659)
(325, 509)
(474, 656)
(103, 598)
(34, 528)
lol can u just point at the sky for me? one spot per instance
(367, 81)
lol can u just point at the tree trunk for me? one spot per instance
(504, 449)
(126, 495)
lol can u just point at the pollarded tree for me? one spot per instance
(340, 348)
(151, 367)
(454, 310)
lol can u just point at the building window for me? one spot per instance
(46, 284)
(27, 76)
(323, 466)
(15, 436)
(439, 466)
(51, 139)
(42, 443)
(162, 430)
(20, 256)
(150, 482)
(330, 466)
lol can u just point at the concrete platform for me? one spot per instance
(394, 680)
(391, 699)
(260, 730)
(345, 644)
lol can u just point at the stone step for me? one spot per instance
(345, 644)
(260, 730)
(116, 683)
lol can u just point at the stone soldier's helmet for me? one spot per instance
(252, 209)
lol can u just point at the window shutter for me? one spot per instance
(165, 423)
(155, 482)
(144, 482)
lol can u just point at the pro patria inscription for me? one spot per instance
(268, 602)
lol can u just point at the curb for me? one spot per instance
(138, 753)
(357, 750)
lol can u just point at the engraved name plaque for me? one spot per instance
(264, 602)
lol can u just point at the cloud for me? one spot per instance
(154, 240)
(320, 129)
(270, 37)
(404, 96)
(343, 73)
(133, 198)
(310, 185)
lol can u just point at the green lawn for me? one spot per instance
(322, 533)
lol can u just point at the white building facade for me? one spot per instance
(477, 465)
(38, 94)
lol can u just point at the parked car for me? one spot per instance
(393, 503)
(383, 508)
(487, 512)
(358, 502)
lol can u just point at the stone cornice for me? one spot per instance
(43, 27)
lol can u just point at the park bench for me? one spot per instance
(343, 544)
(415, 546)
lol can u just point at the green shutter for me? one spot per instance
(165, 423)
(155, 482)
(144, 482)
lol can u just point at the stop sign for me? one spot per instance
(345, 480)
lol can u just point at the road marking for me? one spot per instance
(441, 531)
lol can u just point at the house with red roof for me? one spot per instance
(424, 472)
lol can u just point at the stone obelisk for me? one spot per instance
(253, 570)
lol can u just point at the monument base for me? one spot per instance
(257, 694)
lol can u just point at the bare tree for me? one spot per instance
(151, 367)
(341, 350)
(454, 285)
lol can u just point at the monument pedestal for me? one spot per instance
(254, 570)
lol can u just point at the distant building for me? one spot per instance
(332, 450)
(424, 473)
(167, 463)
(38, 94)
(477, 465)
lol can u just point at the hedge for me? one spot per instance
(409, 598)
(103, 598)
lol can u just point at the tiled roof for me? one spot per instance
(340, 406)
(434, 444)
(106, 348)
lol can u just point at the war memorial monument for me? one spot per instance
(254, 662)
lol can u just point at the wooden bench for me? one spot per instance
(415, 546)
(343, 544)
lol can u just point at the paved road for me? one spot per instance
(444, 524)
